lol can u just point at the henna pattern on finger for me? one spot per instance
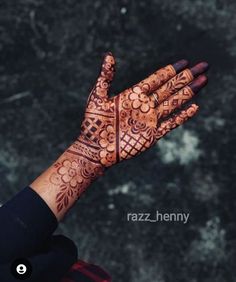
(176, 120)
(173, 85)
(184, 95)
(174, 102)
(179, 81)
(156, 79)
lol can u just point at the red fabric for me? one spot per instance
(91, 272)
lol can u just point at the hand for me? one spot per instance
(121, 127)
(118, 128)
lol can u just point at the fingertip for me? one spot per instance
(191, 110)
(108, 67)
(205, 64)
(195, 107)
(202, 79)
(180, 65)
(109, 58)
(199, 68)
(109, 53)
(198, 83)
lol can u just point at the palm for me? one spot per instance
(137, 122)
(129, 123)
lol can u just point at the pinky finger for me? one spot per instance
(176, 120)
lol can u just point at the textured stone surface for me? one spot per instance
(50, 54)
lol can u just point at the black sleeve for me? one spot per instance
(50, 265)
(26, 223)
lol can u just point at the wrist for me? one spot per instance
(84, 157)
(62, 184)
(78, 167)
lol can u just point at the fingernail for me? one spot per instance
(180, 65)
(198, 83)
(199, 68)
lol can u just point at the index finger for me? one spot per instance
(159, 77)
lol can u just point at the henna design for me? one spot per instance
(175, 101)
(121, 127)
(156, 79)
(179, 81)
(125, 125)
(176, 120)
(72, 177)
(173, 85)
(128, 116)
(184, 95)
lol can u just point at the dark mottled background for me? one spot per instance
(50, 56)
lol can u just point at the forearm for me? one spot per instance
(62, 184)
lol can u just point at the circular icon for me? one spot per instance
(21, 269)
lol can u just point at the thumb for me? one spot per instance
(108, 67)
(105, 77)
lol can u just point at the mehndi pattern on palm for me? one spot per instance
(121, 127)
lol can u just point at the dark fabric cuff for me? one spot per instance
(49, 265)
(30, 210)
(27, 223)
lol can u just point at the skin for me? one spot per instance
(119, 128)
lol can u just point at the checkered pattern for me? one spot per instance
(85, 272)
(90, 126)
(131, 146)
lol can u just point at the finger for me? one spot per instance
(105, 77)
(108, 67)
(179, 81)
(155, 80)
(182, 96)
(176, 120)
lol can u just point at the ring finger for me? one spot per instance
(181, 97)
(177, 82)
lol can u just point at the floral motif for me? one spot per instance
(107, 138)
(107, 159)
(137, 126)
(108, 106)
(69, 173)
(141, 101)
